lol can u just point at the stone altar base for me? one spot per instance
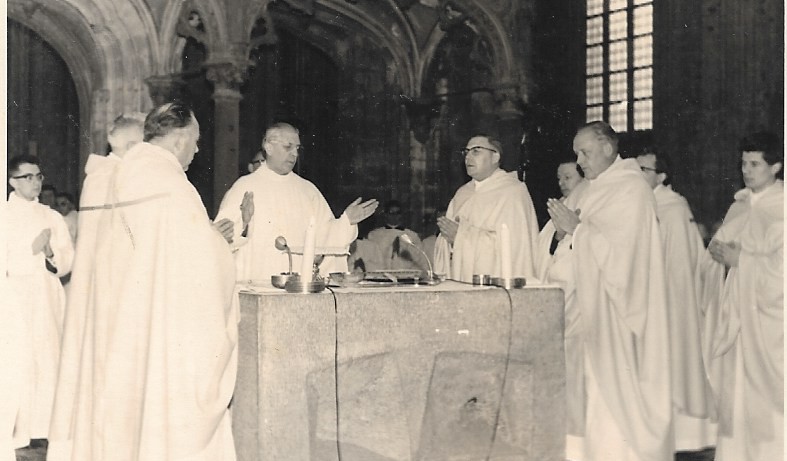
(418, 373)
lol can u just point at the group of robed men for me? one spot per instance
(149, 338)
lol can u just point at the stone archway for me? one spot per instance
(109, 46)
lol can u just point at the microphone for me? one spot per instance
(406, 239)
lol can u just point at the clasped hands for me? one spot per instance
(726, 253)
(448, 228)
(564, 219)
(41, 243)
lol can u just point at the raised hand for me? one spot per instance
(247, 208)
(357, 211)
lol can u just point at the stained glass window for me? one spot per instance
(619, 63)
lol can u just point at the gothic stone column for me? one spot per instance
(227, 79)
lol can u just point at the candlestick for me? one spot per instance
(505, 252)
(308, 252)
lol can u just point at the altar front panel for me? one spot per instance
(418, 373)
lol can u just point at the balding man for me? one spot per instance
(149, 360)
(683, 250)
(278, 202)
(469, 241)
(622, 306)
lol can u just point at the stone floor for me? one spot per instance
(39, 454)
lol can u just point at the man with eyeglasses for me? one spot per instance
(256, 161)
(38, 251)
(469, 241)
(683, 250)
(619, 308)
(274, 201)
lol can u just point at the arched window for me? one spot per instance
(619, 63)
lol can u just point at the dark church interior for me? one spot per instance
(385, 93)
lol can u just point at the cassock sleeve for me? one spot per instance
(61, 243)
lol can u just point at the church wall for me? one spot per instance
(719, 74)
(43, 110)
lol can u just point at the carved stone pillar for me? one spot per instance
(164, 88)
(226, 78)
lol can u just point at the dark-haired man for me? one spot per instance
(469, 241)
(64, 204)
(274, 201)
(744, 273)
(620, 304)
(683, 249)
(47, 195)
(149, 359)
(38, 251)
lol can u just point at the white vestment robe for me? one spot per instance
(149, 356)
(683, 249)
(480, 208)
(33, 320)
(397, 254)
(283, 206)
(621, 297)
(744, 329)
(558, 268)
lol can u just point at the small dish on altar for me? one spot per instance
(280, 280)
(345, 278)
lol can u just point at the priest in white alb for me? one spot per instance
(554, 264)
(274, 201)
(622, 305)
(155, 371)
(470, 240)
(745, 319)
(125, 132)
(38, 251)
(683, 249)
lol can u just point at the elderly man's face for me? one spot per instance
(282, 147)
(188, 144)
(481, 158)
(594, 153)
(567, 177)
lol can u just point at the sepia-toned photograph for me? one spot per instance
(393, 230)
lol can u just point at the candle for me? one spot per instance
(505, 252)
(308, 252)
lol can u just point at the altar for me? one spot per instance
(449, 372)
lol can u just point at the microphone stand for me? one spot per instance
(430, 273)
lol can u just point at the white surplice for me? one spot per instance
(149, 366)
(32, 323)
(744, 333)
(558, 268)
(283, 206)
(480, 208)
(622, 306)
(683, 249)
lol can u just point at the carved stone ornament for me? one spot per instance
(226, 76)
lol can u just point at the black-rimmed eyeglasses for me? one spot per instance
(474, 150)
(29, 176)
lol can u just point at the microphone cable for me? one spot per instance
(336, 367)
